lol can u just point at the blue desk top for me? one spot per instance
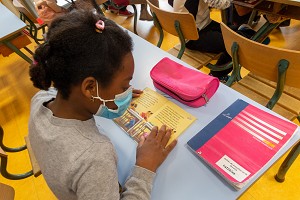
(182, 175)
(9, 23)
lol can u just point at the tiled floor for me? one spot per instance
(14, 118)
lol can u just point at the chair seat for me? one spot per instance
(35, 166)
(194, 58)
(261, 90)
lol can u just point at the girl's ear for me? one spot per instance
(89, 87)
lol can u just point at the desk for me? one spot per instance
(269, 5)
(283, 8)
(182, 175)
(10, 28)
(288, 2)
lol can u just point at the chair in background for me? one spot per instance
(30, 16)
(273, 77)
(273, 80)
(4, 159)
(116, 6)
(184, 27)
(287, 163)
(6, 192)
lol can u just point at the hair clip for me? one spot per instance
(100, 26)
(34, 62)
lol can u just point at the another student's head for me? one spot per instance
(80, 54)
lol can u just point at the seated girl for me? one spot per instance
(88, 59)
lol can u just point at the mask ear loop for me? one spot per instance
(98, 97)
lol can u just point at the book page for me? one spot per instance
(174, 117)
(153, 109)
(148, 103)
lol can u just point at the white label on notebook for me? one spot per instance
(232, 168)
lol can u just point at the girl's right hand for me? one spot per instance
(152, 150)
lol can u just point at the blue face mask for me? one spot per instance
(121, 100)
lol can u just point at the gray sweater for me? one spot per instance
(76, 160)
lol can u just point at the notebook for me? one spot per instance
(240, 141)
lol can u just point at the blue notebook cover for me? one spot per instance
(217, 124)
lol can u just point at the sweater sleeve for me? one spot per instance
(139, 184)
(94, 176)
(219, 4)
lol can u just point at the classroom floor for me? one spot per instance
(16, 91)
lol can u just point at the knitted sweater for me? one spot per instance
(76, 160)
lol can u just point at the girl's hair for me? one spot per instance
(74, 50)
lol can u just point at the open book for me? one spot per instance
(153, 109)
(240, 141)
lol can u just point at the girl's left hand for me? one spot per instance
(136, 93)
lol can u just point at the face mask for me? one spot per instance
(121, 100)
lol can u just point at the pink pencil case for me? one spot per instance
(186, 85)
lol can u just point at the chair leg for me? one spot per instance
(10, 176)
(161, 32)
(289, 160)
(181, 37)
(8, 149)
(97, 7)
(135, 19)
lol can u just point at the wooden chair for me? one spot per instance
(4, 159)
(184, 27)
(6, 192)
(116, 6)
(29, 16)
(273, 79)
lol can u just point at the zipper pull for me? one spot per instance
(205, 97)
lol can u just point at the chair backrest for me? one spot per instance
(167, 21)
(6, 192)
(262, 60)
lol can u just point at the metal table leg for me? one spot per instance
(15, 49)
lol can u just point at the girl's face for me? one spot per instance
(119, 84)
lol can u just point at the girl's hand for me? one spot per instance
(136, 93)
(152, 150)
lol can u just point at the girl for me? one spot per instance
(88, 59)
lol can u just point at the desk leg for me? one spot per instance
(15, 49)
(264, 31)
(252, 17)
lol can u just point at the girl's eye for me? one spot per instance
(126, 88)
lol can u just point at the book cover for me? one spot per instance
(153, 109)
(240, 141)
